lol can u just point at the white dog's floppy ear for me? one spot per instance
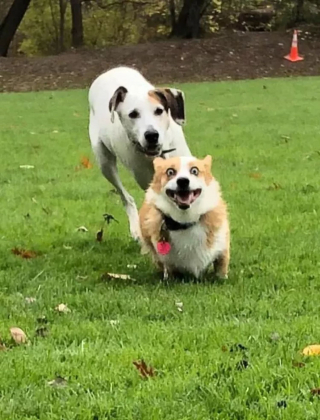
(172, 99)
(117, 97)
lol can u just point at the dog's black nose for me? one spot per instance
(183, 183)
(152, 137)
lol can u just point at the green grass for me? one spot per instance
(264, 136)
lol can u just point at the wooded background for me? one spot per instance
(42, 27)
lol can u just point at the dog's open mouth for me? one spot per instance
(184, 198)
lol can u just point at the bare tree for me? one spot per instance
(77, 23)
(11, 23)
(187, 24)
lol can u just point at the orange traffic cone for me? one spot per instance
(294, 56)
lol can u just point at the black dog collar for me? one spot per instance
(171, 224)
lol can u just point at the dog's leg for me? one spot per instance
(108, 165)
(221, 264)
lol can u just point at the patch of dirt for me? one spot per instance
(227, 55)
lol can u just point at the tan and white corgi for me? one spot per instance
(184, 220)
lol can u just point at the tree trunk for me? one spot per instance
(77, 24)
(62, 13)
(172, 9)
(188, 22)
(299, 11)
(11, 23)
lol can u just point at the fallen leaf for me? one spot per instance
(99, 235)
(274, 336)
(42, 331)
(26, 166)
(298, 364)
(82, 229)
(118, 276)
(315, 391)
(274, 186)
(133, 266)
(30, 299)
(255, 175)
(62, 308)
(224, 348)
(58, 382)
(18, 335)
(23, 253)
(313, 350)
(237, 347)
(243, 364)
(42, 319)
(85, 162)
(143, 369)
(81, 277)
(179, 306)
(108, 217)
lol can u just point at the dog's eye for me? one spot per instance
(134, 114)
(194, 171)
(158, 111)
(171, 172)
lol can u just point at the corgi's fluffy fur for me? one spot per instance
(184, 193)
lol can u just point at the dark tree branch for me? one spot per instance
(11, 23)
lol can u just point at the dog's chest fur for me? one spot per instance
(190, 251)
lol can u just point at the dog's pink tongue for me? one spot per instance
(163, 247)
(186, 198)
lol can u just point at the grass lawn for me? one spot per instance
(265, 138)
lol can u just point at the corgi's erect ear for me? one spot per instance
(208, 161)
(158, 162)
(117, 97)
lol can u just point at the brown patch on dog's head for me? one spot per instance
(162, 173)
(171, 99)
(117, 97)
(204, 168)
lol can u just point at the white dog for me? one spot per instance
(132, 120)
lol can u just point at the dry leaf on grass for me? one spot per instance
(108, 218)
(255, 175)
(23, 253)
(99, 235)
(298, 364)
(85, 162)
(58, 382)
(42, 331)
(144, 370)
(18, 335)
(313, 350)
(133, 266)
(62, 308)
(179, 306)
(30, 299)
(274, 186)
(82, 229)
(117, 276)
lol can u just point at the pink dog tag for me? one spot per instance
(163, 247)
